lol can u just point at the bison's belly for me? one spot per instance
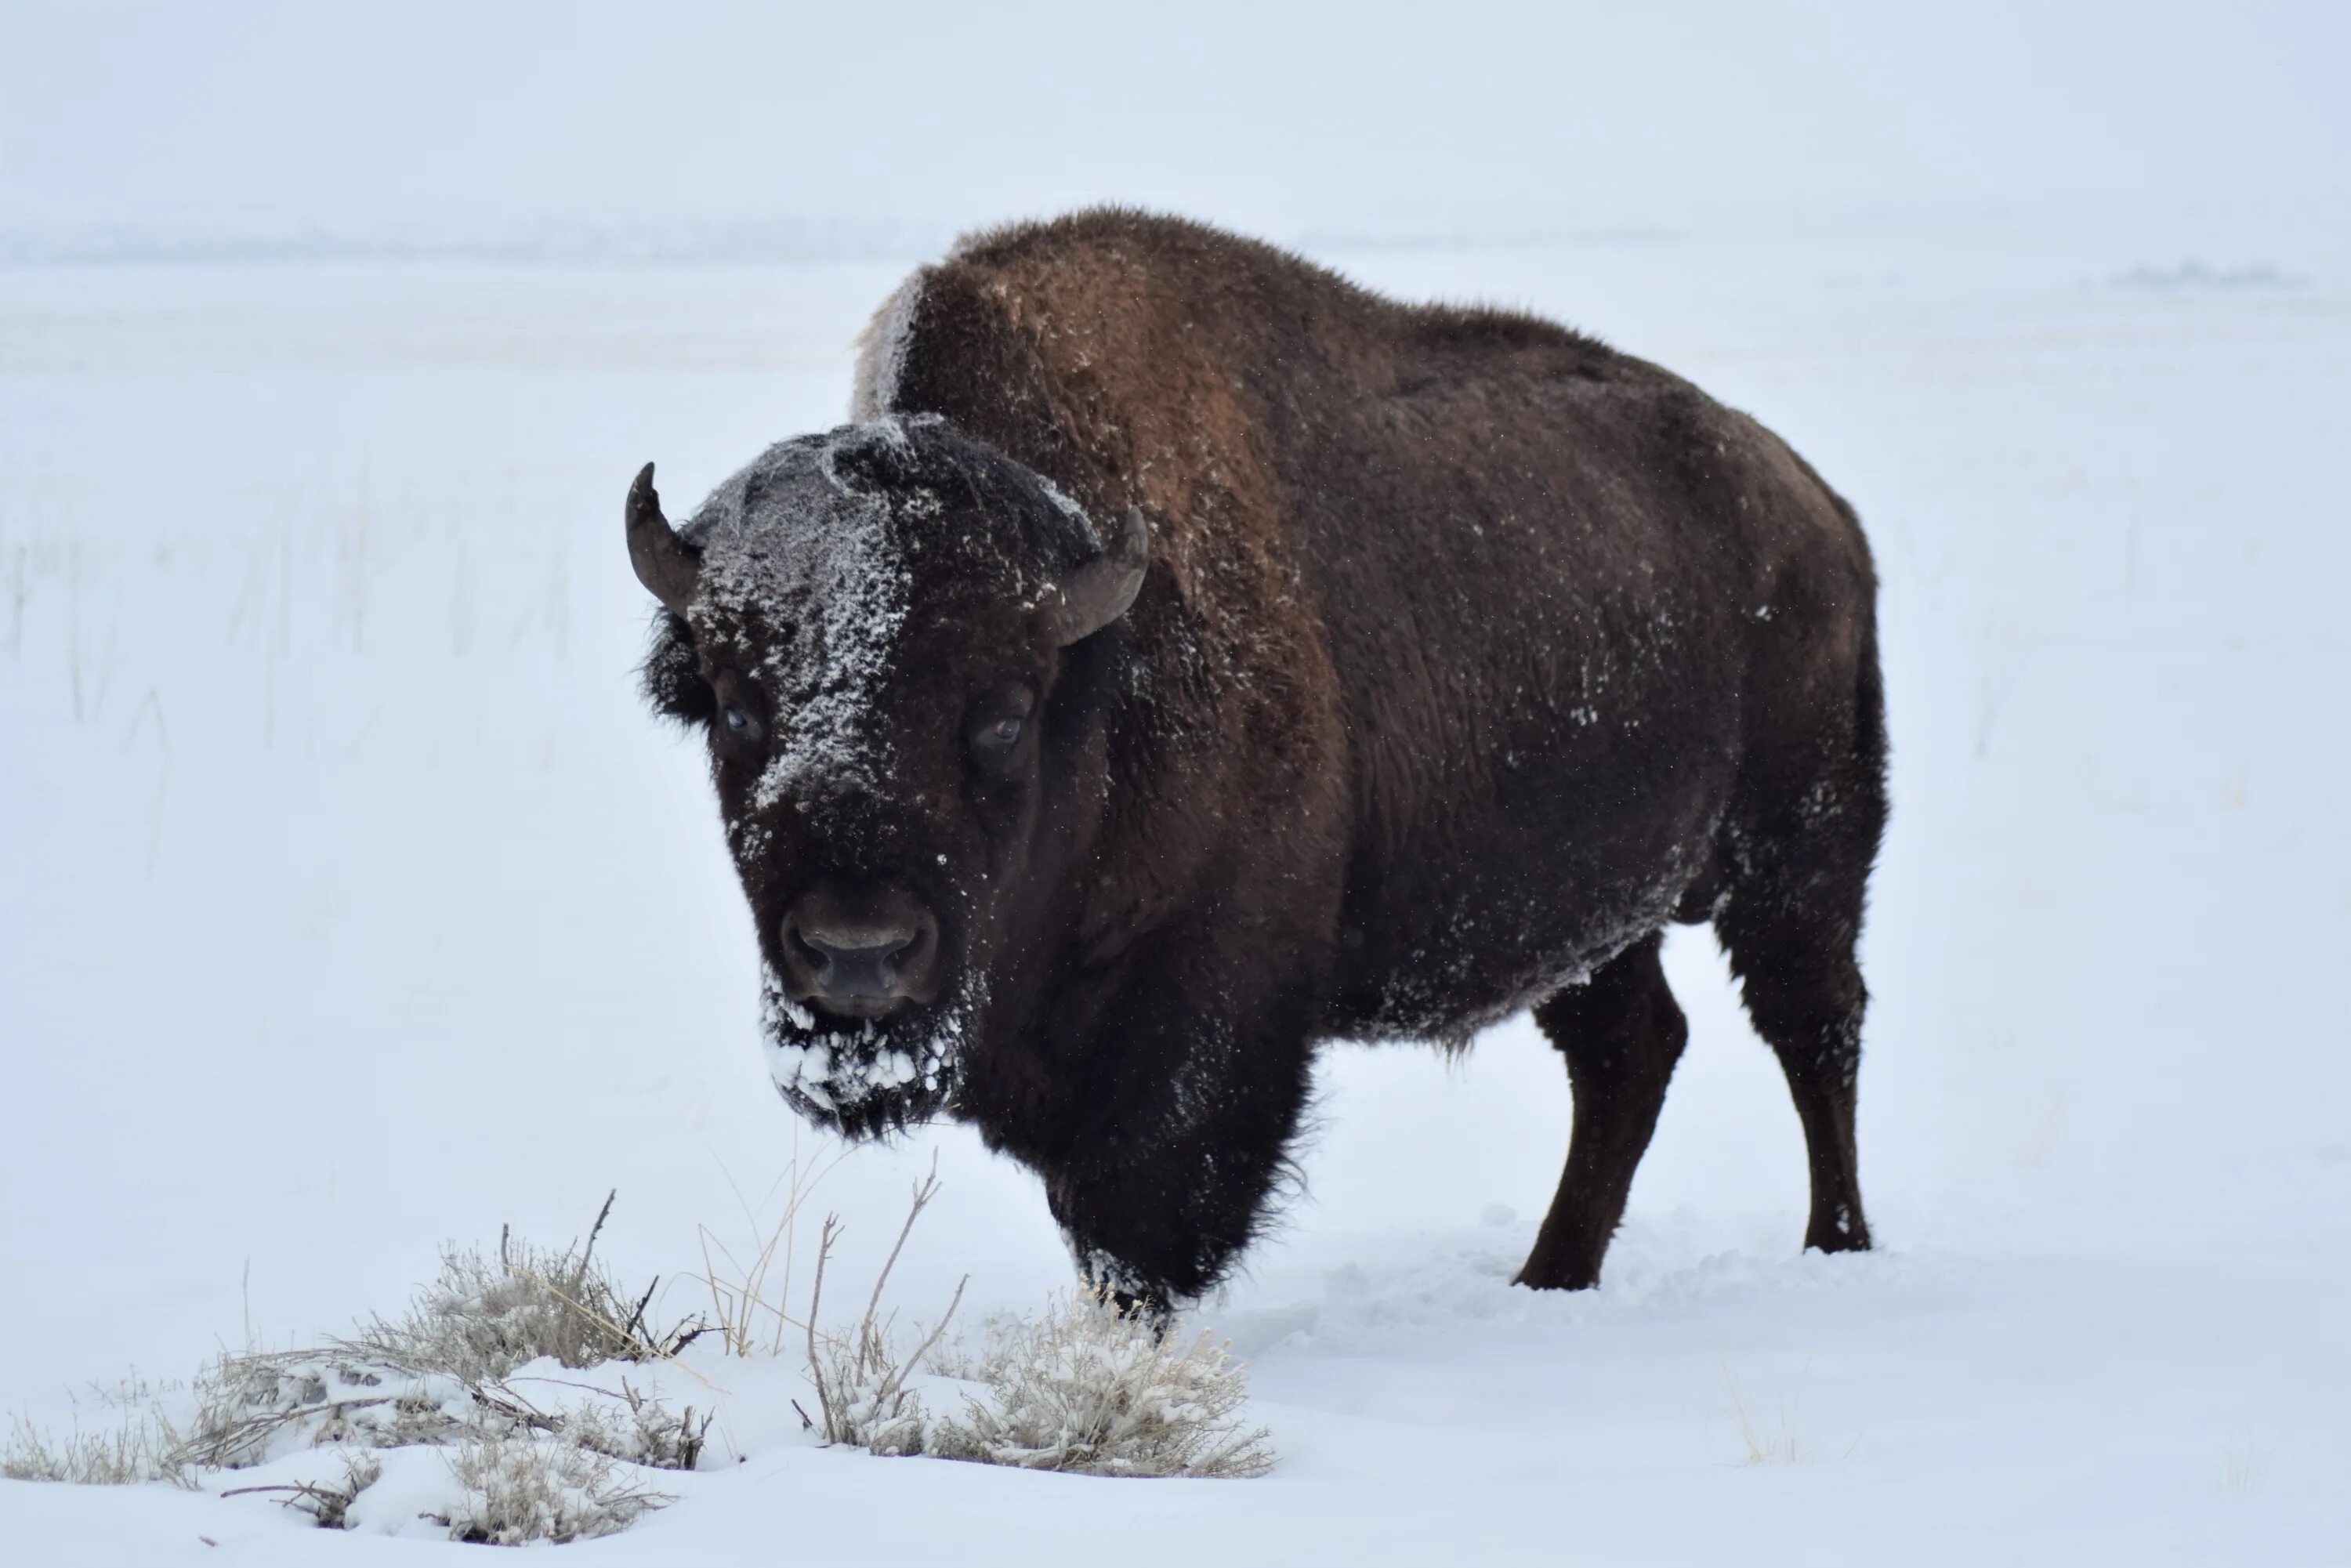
(1481, 906)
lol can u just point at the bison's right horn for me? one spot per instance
(665, 563)
(1099, 592)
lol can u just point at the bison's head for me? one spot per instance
(879, 630)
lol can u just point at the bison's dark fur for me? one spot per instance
(1470, 652)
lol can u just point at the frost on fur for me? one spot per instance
(518, 1490)
(1095, 1389)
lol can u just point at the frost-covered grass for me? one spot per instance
(552, 1399)
(859, 1374)
(1089, 1387)
(535, 1457)
(517, 1491)
(484, 1316)
(1085, 1387)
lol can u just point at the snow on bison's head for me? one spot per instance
(884, 632)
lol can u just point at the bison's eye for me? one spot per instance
(998, 722)
(741, 726)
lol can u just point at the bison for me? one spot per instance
(1187, 657)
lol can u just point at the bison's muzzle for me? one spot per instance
(859, 956)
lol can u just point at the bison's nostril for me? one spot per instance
(857, 964)
(804, 952)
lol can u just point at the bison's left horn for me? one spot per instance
(1099, 592)
(665, 563)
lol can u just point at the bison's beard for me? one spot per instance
(868, 1077)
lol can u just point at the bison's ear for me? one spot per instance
(1099, 592)
(672, 675)
(873, 460)
(665, 563)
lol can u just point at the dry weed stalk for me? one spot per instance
(1763, 1445)
(330, 1505)
(861, 1394)
(741, 1305)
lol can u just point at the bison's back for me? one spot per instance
(1510, 611)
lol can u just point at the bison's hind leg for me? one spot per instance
(1621, 1032)
(1800, 857)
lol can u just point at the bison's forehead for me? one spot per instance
(807, 584)
(823, 557)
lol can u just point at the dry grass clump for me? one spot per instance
(1095, 1389)
(482, 1318)
(1766, 1441)
(443, 1374)
(1088, 1389)
(138, 1450)
(438, 1373)
(518, 1490)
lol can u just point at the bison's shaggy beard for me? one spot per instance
(874, 1077)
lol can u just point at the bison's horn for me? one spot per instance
(1099, 592)
(665, 563)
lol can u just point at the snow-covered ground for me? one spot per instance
(348, 902)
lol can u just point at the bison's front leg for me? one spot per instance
(1184, 1139)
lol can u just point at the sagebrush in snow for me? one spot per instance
(1089, 1388)
(257, 1406)
(483, 1317)
(620, 1424)
(444, 1373)
(437, 1372)
(862, 1399)
(329, 1503)
(1092, 1388)
(521, 1490)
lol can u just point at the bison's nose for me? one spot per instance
(861, 962)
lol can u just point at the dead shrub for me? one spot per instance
(1106, 1392)
(519, 1489)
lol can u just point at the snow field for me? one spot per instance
(350, 903)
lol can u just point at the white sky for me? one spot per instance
(1475, 118)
